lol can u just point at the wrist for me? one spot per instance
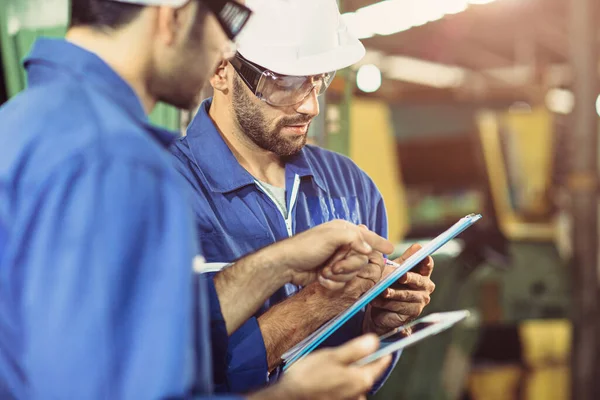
(275, 392)
(273, 264)
(324, 302)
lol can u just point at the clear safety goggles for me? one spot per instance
(279, 90)
(231, 15)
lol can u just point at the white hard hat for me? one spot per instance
(170, 3)
(298, 37)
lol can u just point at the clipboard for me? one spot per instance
(316, 338)
(421, 329)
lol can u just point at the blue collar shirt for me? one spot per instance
(97, 294)
(235, 216)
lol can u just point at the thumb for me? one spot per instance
(406, 255)
(375, 369)
(356, 349)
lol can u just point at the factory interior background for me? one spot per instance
(459, 107)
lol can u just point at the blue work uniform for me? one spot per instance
(97, 293)
(236, 216)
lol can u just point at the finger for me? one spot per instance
(348, 234)
(363, 378)
(390, 320)
(425, 267)
(376, 242)
(377, 258)
(329, 284)
(367, 271)
(356, 349)
(351, 264)
(375, 369)
(411, 250)
(406, 296)
(417, 281)
(399, 307)
(371, 272)
(340, 278)
(328, 274)
(340, 254)
(387, 270)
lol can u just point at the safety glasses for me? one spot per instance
(232, 16)
(279, 90)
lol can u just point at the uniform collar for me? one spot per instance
(66, 57)
(222, 170)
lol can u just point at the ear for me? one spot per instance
(167, 24)
(172, 21)
(220, 79)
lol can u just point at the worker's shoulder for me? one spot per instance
(332, 165)
(180, 149)
(45, 127)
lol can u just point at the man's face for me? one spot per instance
(280, 130)
(192, 59)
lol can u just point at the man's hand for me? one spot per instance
(332, 253)
(287, 323)
(328, 374)
(403, 301)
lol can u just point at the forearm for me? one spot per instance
(246, 285)
(289, 322)
(275, 392)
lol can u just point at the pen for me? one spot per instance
(391, 263)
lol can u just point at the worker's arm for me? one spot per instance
(289, 322)
(292, 320)
(332, 253)
(329, 374)
(106, 288)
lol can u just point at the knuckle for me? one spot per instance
(390, 320)
(412, 297)
(369, 381)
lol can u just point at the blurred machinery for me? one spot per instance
(488, 108)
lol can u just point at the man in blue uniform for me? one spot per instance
(97, 294)
(253, 181)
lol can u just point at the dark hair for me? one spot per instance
(102, 13)
(112, 14)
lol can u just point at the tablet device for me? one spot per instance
(321, 334)
(414, 332)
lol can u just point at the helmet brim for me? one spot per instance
(314, 64)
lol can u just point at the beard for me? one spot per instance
(256, 127)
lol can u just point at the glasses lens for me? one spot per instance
(283, 90)
(232, 16)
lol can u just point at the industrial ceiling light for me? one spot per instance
(388, 17)
(368, 78)
(560, 101)
(422, 72)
